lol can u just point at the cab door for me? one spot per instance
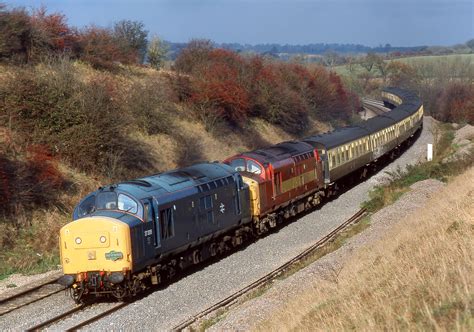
(150, 227)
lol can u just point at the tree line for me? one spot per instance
(29, 37)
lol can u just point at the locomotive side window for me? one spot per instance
(253, 167)
(167, 223)
(125, 203)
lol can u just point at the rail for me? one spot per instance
(30, 293)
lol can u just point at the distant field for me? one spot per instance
(451, 57)
(344, 69)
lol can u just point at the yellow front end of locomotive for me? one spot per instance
(254, 196)
(95, 244)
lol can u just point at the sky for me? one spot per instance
(367, 22)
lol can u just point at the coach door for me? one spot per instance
(324, 160)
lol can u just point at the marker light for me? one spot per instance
(102, 239)
(78, 240)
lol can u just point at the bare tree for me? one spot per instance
(157, 51)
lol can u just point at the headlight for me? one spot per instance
(78, 240)
(102, 239)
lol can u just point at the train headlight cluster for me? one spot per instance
(78, 240)
(102, 239)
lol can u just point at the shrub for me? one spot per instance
(29, 184)
(81, 122)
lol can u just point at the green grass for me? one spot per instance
(24, 258)
(434, 58)
(415, 60)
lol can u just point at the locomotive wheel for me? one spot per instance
(197, 256)
(119, 292)
(213, 249)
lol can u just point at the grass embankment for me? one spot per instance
(419, 276)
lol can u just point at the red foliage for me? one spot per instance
(235, 87)
(220, 90)
(456, 103)
(98, 47)
(52, 30)
(45, 166)
(37, 181)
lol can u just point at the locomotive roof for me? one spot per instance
(337, 137)
(176, 180)
(279, 151)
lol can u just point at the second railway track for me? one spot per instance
(29, 294)
(228, 301)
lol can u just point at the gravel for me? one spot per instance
(166, 308)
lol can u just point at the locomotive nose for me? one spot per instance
(95, 244)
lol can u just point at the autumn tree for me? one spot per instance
(194, 55)
(50, 34)
(131, 37)
(15, 34)
(157, 51)
(98, 47)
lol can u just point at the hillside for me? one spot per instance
(67, 128)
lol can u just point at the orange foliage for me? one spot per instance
(234, 87)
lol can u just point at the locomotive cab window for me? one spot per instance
(110, 201)
(253, 167)
(238, 164)
(125, 203)
(86, 207)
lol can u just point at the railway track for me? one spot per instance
(228, 301)
(375, 106)
(30, 294)
(71, 312)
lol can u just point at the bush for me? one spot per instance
(29, 184)
(225, 85)
(82, 122)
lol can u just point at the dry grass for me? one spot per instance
(418, 277)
